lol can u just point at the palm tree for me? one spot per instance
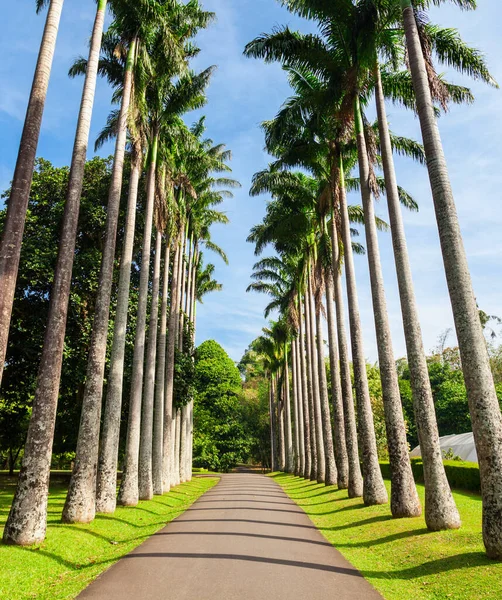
(483, 403)
(26, 523)
(17, 205)
(345, 67)
(166, 100)
(158, 420)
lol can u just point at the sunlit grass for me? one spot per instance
(400, 557)
(73, 555)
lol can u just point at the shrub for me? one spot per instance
(461, 475)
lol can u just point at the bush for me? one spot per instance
(461, 475)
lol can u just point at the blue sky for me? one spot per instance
(245, 92)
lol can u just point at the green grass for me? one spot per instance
(73, 555)
(400, 557)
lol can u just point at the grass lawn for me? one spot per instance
(73, 555)
(400, 557)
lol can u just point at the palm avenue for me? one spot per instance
(166, 182)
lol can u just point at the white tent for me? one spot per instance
(462, 445)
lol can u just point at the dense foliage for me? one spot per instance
(220, 438)
(38, 258)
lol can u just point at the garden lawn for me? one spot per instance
(400, 557)
(73, 555)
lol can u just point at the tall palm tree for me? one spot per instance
(17, 205)
(26, 522)
(158, 421)
(483, 403)
(343, 66)
(166, 100)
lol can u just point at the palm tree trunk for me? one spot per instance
(341, 458)
(331, 471)
(80, 502)
(273, 455)
(145, 475)
(158, 418)
(287, 418)
(404, 500)
(13, 230)
(440, 509)
(310, 383)
(299, 390)
(177, 448)
(169, 384)
(183, 443)
(374, 491)
(307, 467)
(294, 380)
(483, 404)
(183, 275)
(108, 449)
(26, 521)
(183, 415)
(129, 491)
(355, 477)
(280, 417)
(321, 458)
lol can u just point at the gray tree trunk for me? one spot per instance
(13, 229)
(440, 509)
(355, 477)
(160, 377)
(321, 459)
(280, 417)
(404, 500)
(331, 475)
(299, 389)
(106, 487)
(483, 404)
(374, 491)
(287, 420)
(183, 443)
(294, 379)
(310, 383)
(341, 458)
(307, 467)
(145, 473)
(168, 395)
(273, 454)
(129, 491)
(79, 505)
(177, 447)
(29, 509)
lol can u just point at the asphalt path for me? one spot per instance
(243, 540)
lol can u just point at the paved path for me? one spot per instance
(243, 540)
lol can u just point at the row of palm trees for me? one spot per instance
(145, 55)
(386, 50)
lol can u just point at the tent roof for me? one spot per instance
(461, 444)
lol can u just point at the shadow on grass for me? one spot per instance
(441, 565)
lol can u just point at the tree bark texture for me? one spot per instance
(355, 477)
(129, 490)
(374, 491)
(404, 498)
(341, 458)
(145, 474)
(483, 404)
(13, 229)
(440, 509)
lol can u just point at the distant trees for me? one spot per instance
(220, 437)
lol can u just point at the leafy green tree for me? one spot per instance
(31, 304)
(220, 440)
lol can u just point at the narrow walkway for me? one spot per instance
(243, 540)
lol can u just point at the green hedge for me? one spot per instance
(461, 475)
